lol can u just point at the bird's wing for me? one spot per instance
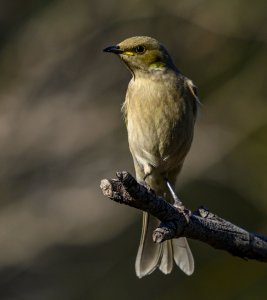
(193, 92)
(125, 104)
(124, 110)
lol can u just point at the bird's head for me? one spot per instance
(142, 54)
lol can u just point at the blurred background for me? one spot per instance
(61, 132)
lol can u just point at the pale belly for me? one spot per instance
(159, 129)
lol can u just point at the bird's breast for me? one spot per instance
(156, 122)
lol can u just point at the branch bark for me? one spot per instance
(200, 225)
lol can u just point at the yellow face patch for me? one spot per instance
(128, 53)
(157, 65)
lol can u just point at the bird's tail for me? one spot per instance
(152, 255)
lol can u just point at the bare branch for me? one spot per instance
(200, 225)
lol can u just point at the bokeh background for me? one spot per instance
(61, 132)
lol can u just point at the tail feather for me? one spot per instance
(152, 255)
(149, 253)
(166, 263)
(183, 256)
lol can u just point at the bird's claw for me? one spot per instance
(182, 210)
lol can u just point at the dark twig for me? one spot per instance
(201, 224)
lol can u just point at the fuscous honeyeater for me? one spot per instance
(160, 111)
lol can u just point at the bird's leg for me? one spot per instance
(177, 202)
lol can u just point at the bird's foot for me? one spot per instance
(178, 204)
(182, 210)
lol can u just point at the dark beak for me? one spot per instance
(113, 49)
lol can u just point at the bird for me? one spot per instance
(160, 110)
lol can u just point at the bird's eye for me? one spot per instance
(140, 49)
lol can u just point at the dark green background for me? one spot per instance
(61, 132)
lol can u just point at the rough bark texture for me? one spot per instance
(200, 225)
